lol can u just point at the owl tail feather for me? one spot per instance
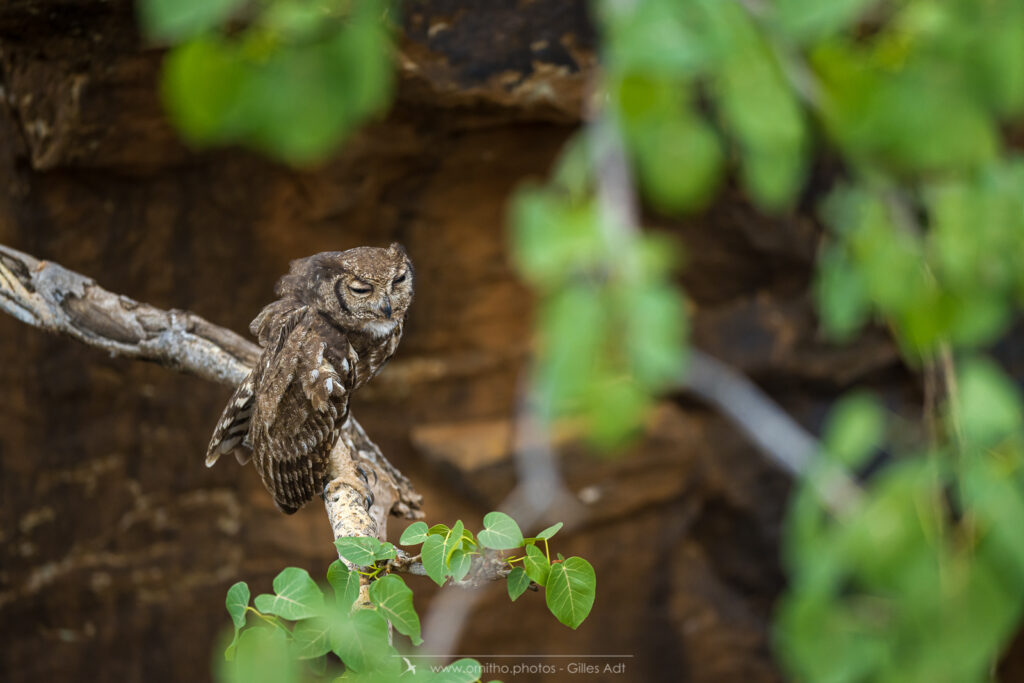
(233, 427)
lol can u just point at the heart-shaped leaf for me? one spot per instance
(518, 582)
(500, 532)
(433, 558)
(311, 638)
(550, 531)
(297, 596)
(536, 565)
(394, 599)
(345, 583)
(415, 533)
(570, 591)
(237, 601)
(361, 640)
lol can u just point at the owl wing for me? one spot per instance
(301, 403)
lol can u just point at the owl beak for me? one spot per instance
(387, 308)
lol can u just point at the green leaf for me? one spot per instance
(452, 542)
(760, 109)
(551, 531)
(394, 599)
(433, 558)
(236, 602)
(263, 655)
(855, 429)
(361, 640)
(500, 532)
(297, 596)
(570, 591)
(459, 671)
(178, 19)
(989, 402)
(364, 550)
(438, 530)
(536, 565)
(345, 584)
(460, 564)
(414, 534)
(311, 638)
(809, 19)
(842, 295)
(518, 582)
(679, 162)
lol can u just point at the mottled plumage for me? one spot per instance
(337, 321)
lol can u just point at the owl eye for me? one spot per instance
(400, 278)
(360, 288)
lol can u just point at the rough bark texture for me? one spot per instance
(117, 544)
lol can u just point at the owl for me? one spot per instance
(337, 321)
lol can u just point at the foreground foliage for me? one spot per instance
(301, 634)
(909, 102)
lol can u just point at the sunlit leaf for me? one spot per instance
(500, 532)
(394, 599)
(570, 590)
(296, 596)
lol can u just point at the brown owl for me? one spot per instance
(337, 321)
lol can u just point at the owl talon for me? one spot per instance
(369, 500)
(362, 474)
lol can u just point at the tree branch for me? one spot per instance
(48, 296)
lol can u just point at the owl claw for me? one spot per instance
(362, 474)
(369, 500)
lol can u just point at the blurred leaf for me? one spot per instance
(295, 101)
(990, 405)
(855, 429)
(760, 109)
(841, 294)
(361, 640)
(311, 638)
(177, 19)
(459, 671)
(262, 656)
(804, 20)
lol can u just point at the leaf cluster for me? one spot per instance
(289, 78)
(611, 325)
(295, 629)
(447, 552)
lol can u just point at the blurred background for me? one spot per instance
(117, 545)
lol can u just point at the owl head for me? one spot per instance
(366, 289)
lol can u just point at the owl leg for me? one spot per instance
(368, 497)
(361, 471)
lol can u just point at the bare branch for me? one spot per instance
(769, 427)
(46, 295)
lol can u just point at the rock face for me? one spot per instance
(117, 545)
